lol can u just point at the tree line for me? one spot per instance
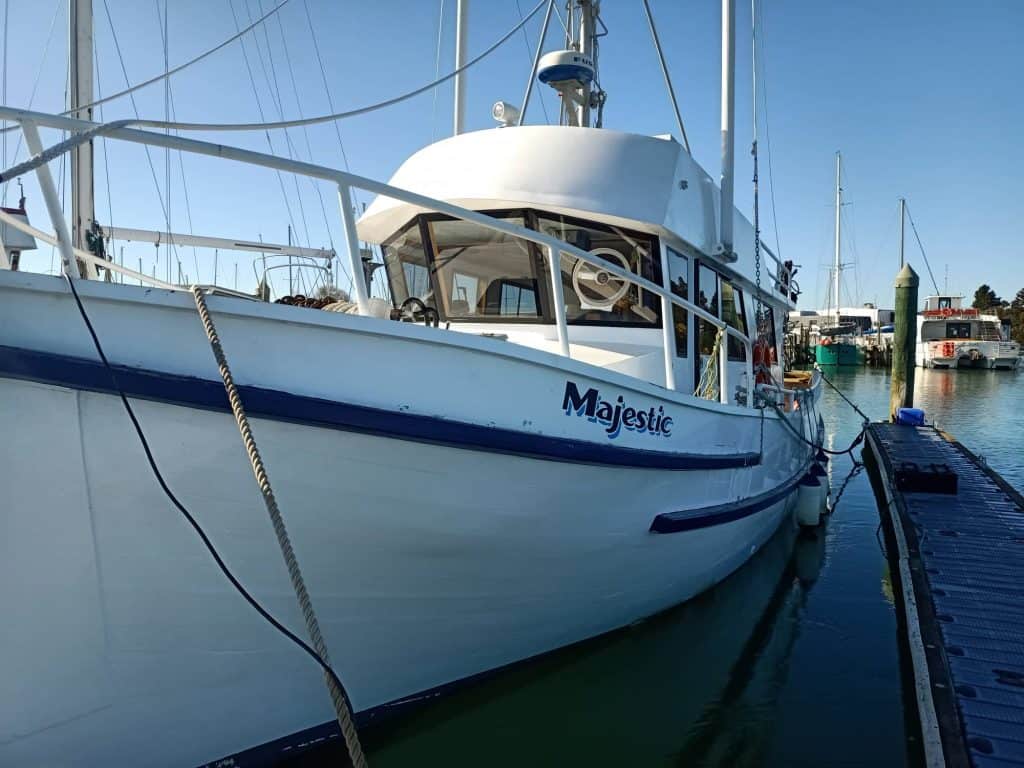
(986, 300)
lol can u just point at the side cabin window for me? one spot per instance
(721, 298)
(766, 330)
(593, 296)
(734, 315)
(679, 284)
(707, 299)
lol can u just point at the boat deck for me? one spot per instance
(961, 560)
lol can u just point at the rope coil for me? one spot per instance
(707, 387)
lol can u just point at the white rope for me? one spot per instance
(339, 698)
(264, 126)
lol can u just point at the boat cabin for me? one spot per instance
(482, 281)
(634, 202)
(945, 317)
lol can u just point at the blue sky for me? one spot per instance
(923, 97)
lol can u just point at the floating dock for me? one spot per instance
(958, 529)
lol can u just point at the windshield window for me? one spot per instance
(484, 273)
(470, 272)
(406, 266)
(595, 296)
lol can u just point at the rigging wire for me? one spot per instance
(282, 124)
(181, 161)
(165, 38)
(135, 109)
(63, 156)
(169, 72)
(668, 79)
(39, 73)
(259, 108)
(274, 89)
(529, 56)
(309, 147)
(917, 237)
(437, 73)
(337, 129)
(767, 133)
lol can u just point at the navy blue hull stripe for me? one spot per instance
(90, 375)
(693, 519)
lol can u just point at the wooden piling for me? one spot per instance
(904, 342)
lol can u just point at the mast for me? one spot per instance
(80, 92)
(903, 206)
(461, 16)
(837, 266)
(586, 47)
(728, 125)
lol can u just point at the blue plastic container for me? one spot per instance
(912, 417)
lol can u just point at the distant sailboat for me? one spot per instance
(835, 347)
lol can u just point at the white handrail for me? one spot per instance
(553, 247)
(85, 256)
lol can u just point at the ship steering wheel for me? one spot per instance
(414, 310)
(596, 287)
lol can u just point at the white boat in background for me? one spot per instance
(584, 420)
(950, 335)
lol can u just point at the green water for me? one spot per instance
(793, 661)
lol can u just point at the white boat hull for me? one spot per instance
(428, 561)
(997, 355)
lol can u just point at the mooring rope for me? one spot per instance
(840, 393)
(782, 417)
(854, 471)
(338, 696)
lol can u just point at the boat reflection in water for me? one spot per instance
(697, 685)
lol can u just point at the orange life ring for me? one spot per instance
(764, 358)
(947, 312)
(760, 361)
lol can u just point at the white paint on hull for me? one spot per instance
(426, 564)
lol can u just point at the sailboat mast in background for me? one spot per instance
(837, 266)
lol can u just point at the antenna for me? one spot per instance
(573, 71)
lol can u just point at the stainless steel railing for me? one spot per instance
(346, 182)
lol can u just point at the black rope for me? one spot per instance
(839, 392)
(854, 471)
(188, 515)
(856, 441)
